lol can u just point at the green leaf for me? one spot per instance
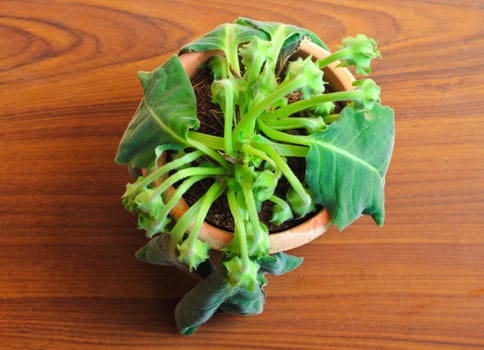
(313, 76)
(281, 212)
(291, 33)
(193, 252)
(153, 226)
(245, 302)
(361, 51)
(265, 185)
(301, 202)
(279, 263)
(149, 202)
(370, 94)
(227, 38)
(157, 252)
(253, 56)
(164, 116)
(199, 304)
(347, 163)
(242, 273)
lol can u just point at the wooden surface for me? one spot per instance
(69, 280)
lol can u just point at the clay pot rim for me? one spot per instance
(339, 78)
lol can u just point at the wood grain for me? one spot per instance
(68, 277)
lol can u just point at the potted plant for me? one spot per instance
(264, 133)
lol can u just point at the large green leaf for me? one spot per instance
(200, 303)
(251, 302)
(290, 33)
(347, 163)
(164, 116)
(279, 263)
(245, 302)
(226, 37)
(285, 38)
(157, 252)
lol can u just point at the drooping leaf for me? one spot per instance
(227, 38)
(253, 56)
(281, 211)
(153, 226)
(279, 263)
(223, 37)
(285, 40)
(201, 302)
(291, 33)
(245, 302)
(346, 164)
(242, 273)
(290, 48)
(157, 252)
(164, 116)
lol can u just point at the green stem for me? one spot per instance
(217, 143)
(232, 50)
(278, 201)
(284, 137)
(175, 198)
(214, 142)
(239, 226)
(291, 150)
(174, 164)
(247, 124)
(229, 113)
(335, 56)
(286, 171)
(328, 119)
(248, 149)
(294, 123)
(277, 39)
(301, 105)
(253, 215)
(215, 190)
(181, 226)
(193, 171)
(211, 153)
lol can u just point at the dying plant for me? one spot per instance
(255, 70)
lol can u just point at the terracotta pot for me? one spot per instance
(340, 79)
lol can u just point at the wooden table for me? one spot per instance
(69, 280)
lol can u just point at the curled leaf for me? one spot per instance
(301, 203)
(281, 211)
(313, 76)
(157, 252)
(279, 263)
(370, 94)
(149, 201)
(361, 50)
(242, 273)
(164, 116)
(193, 252)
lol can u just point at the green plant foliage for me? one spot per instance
(347, 153)
(352, 154)
(164, 116)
